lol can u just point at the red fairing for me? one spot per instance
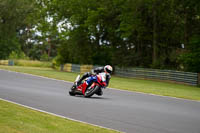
(79, 88)
(93, 85)
(103, 83)
(82, 87)
(99, 80)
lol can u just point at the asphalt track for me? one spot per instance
(121, 110)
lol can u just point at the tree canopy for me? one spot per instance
(15, 18)
(124, 33)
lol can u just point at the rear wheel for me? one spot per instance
(91, 91)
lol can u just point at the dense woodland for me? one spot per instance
(163, 34)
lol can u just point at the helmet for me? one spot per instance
(108, 69)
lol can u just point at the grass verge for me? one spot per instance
(146, 86)
(18, 119)
(31, 63)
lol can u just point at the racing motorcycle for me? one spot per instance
(94, 88)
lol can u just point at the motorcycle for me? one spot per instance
(94, 88)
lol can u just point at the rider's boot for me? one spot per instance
(78, 82)
(82, 78)
(100, 92)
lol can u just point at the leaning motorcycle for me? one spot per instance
(94, 88)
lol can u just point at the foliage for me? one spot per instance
(44, 57)
(125, 33)
(32, 63)
(13, 18)
(143, 33)
(191, 58)
(18, 55)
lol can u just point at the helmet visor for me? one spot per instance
(109, 71)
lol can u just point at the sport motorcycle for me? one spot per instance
(94, 88)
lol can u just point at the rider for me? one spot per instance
(107, 69)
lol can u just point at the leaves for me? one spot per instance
(139, 33)
(13, 18)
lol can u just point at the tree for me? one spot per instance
(191, 58)
(143, 33)
(14, 18)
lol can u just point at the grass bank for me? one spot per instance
(27, 63)
(146, 86)
(31, 63)
(17, 119)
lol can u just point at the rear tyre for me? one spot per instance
(90, 92)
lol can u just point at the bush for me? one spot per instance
(17, 55)
(191, 59)
(55, 64)
(44, 57)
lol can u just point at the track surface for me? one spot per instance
(121, 110)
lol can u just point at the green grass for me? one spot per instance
(157, 87)
(31, 63)
(138, 85)
(17, 119)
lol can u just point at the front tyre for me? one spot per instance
(72, 91)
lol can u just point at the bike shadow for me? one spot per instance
(93, 97)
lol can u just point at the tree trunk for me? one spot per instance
(49, 50)
(186, 34)
(154, 56)
(198, 82)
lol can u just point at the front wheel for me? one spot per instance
(72, 91)
(91, 91)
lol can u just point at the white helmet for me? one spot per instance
(108, 69)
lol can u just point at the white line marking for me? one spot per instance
(57, 115)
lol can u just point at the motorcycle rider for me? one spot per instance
(92, 77)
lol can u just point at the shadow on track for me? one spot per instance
(94, 97)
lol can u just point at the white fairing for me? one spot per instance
(103, 76)
(77, 78)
